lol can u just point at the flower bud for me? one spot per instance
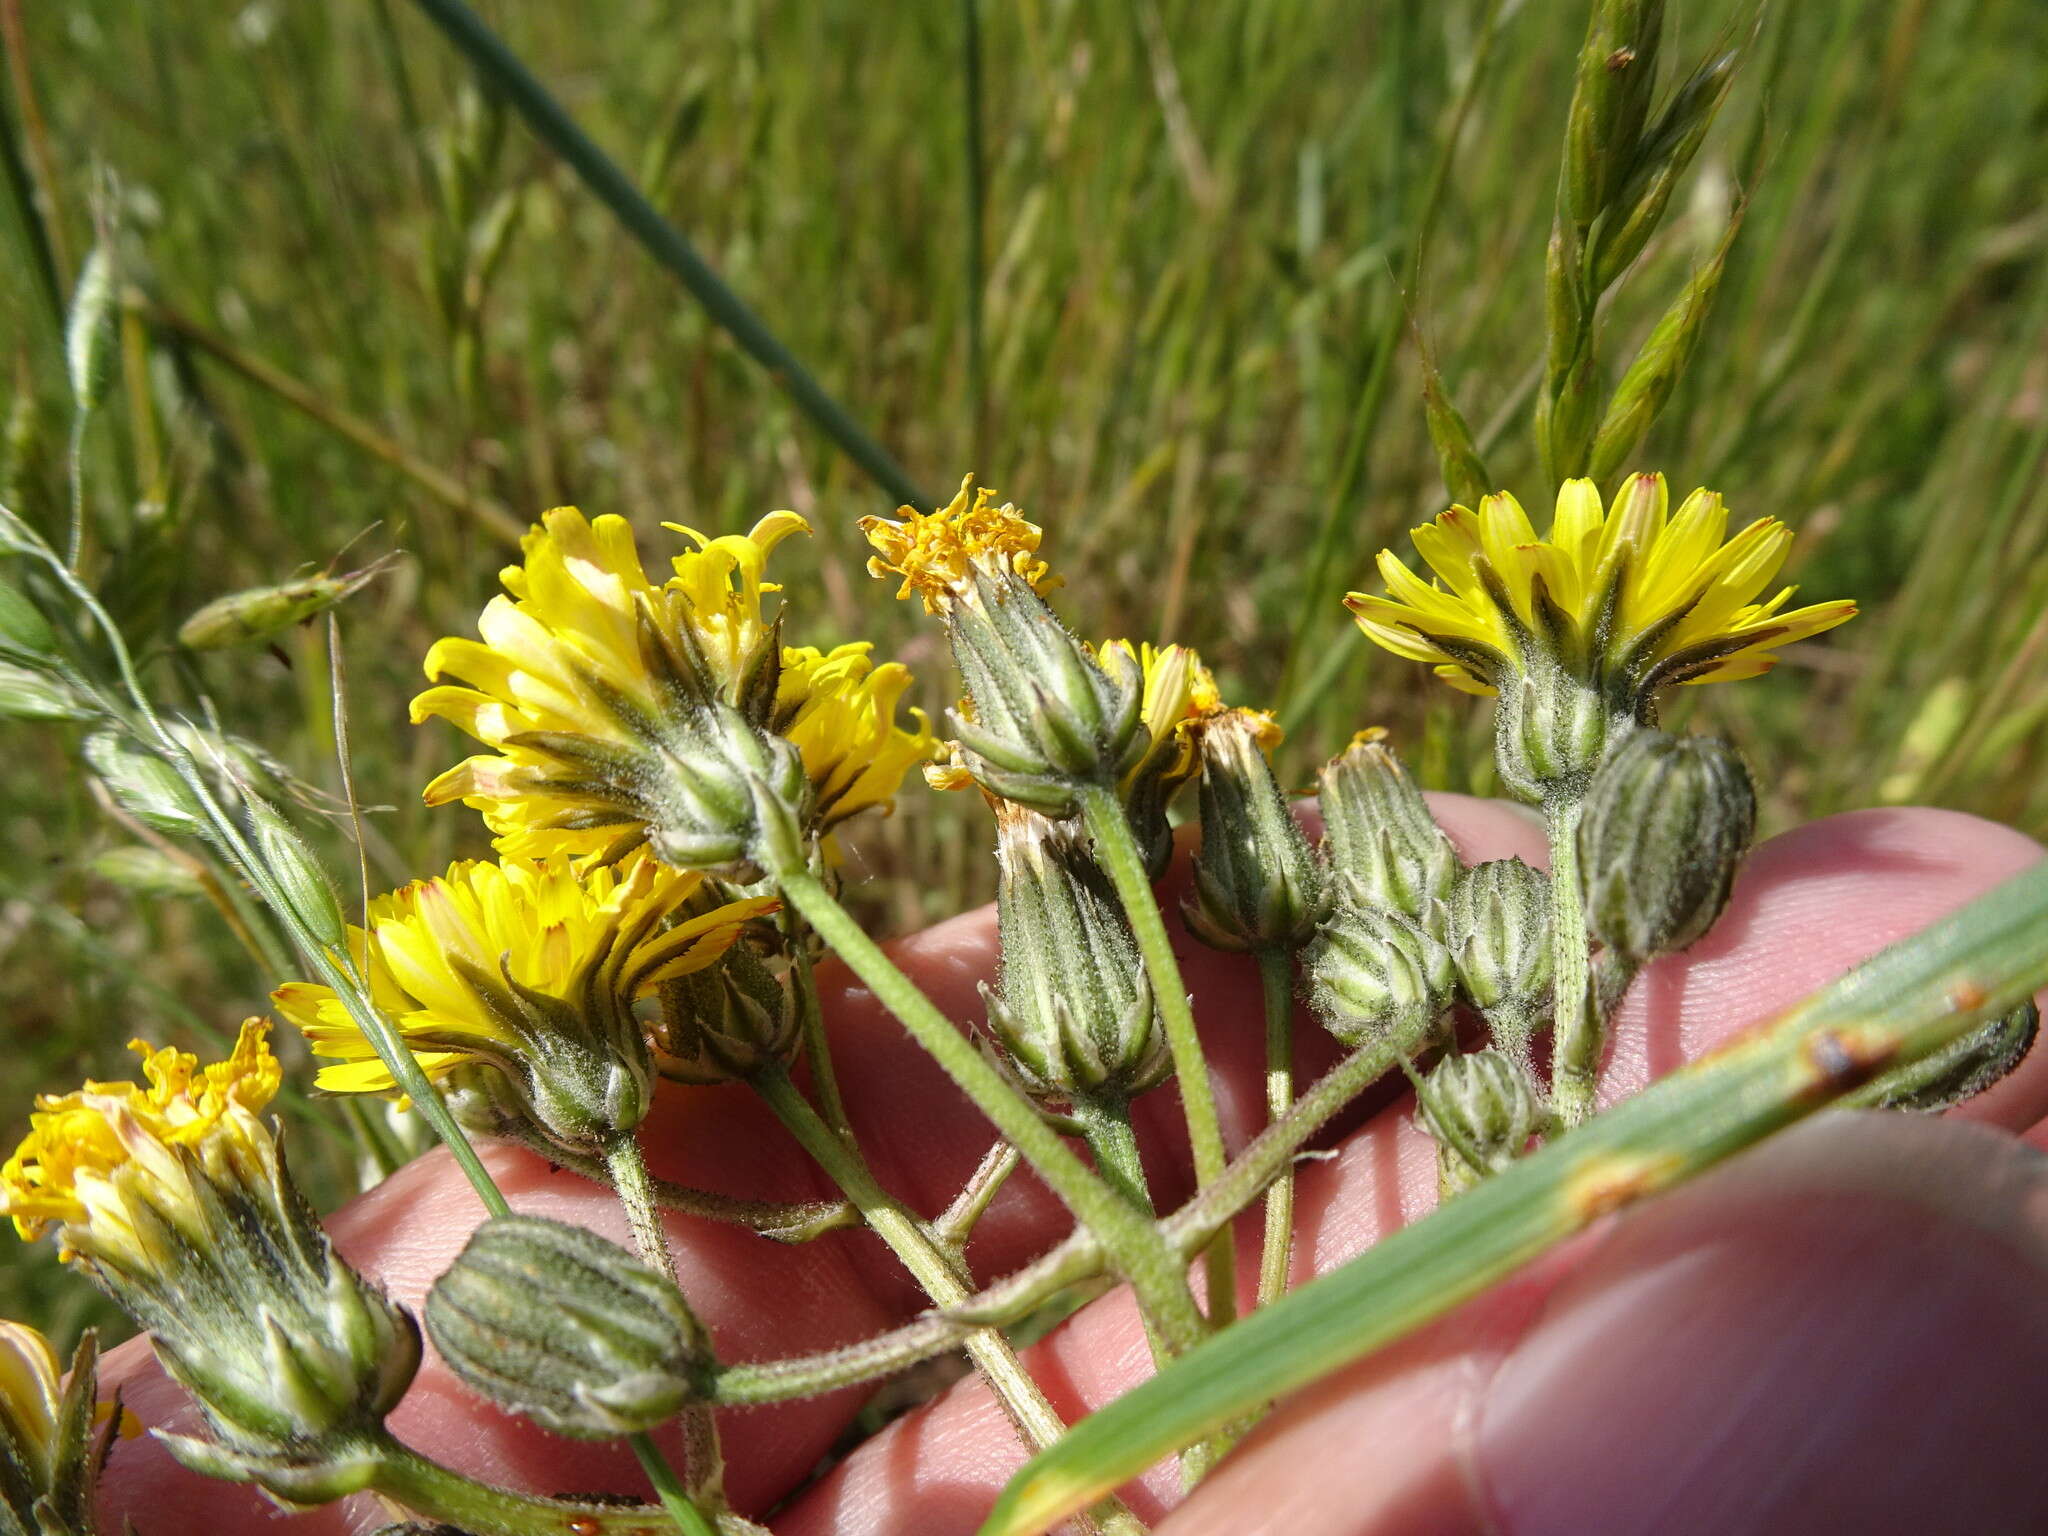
(553, 1322)
(1663, 828)
(49, 1454)
(303, 887)
(1071, 1007)
(1382, 846)
(1374, 973)
(727, 1021)
(1498, 926)
(144, 785)
(1257, 885)
(146, 871)
(1480, 1106)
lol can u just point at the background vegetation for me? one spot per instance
(368, 307)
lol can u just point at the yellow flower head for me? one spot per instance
(1632, 598)
(938, 554)
(600, 692)
(82, 1147)
(839, 709)
(507, 963)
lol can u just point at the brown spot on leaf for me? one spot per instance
(1966, 997)
(1610, 1181)
(1842, 1060)
(1620, 59)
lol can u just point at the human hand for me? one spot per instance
(1840, 1331)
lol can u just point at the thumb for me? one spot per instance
(1846, 1329)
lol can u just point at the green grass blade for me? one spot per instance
(1907, 1002)
(667, 244)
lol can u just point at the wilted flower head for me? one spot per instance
(68, 1171)
(938, 554)
(1630, 597)
(174, 1196)
(529, 968)
(1045, 717)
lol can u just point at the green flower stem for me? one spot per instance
(1276, 975)
(1580, 1032)
(627, 1166)
(956, 1225)
(811, 1025)
(941, 1274)
(797, 1221)
(1117, 851)
(668, 1487)
(1134, 1244)
(1106, 1127)
(433, 1491)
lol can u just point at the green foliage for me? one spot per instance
(362, 295)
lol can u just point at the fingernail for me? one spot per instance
(1794, 1345)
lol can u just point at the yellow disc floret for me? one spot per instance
(62, 1173)
(938, 553)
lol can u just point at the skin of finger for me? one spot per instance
(1844, 1329)
(759, 1299)
(710, 1130)
(1916, 865)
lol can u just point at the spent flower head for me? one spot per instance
(1044, 717)
(173, 1194)
(530, 969)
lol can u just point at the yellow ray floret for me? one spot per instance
(575, 677)
(439, 953)
(938, 553)
(31, 1399)
(839, 708)
(64, 1171)
(1633, 590)
(1179, 691)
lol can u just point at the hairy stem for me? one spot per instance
(1106, 1127)
(429, 1489)
(941, 1274)
(705, 1459)
(1580, 1029)
(956, 1224)
(1133, 1243)
(1117, 851)
(1276, 976)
